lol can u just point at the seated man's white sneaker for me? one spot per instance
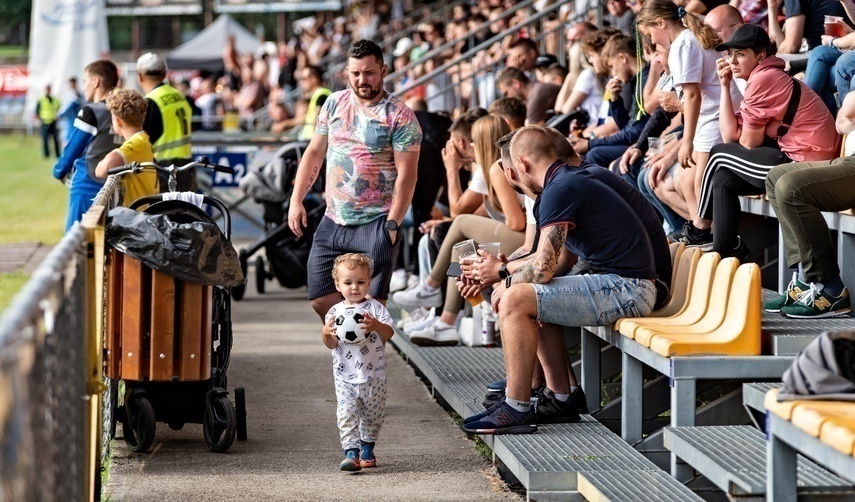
(419, 296)
(437, 333)
(399, 281)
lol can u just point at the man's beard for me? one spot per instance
(368, 92)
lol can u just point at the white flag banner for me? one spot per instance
(65, 36)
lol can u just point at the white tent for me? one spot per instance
(205, 50)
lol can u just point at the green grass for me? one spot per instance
(7, 51)
(10, 284)
(33, 204)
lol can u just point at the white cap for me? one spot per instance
(150, 63)
(403, 47)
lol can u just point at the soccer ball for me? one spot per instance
(347, 324)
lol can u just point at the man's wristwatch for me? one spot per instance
(503, 271)
(392, 225)
(508, 281)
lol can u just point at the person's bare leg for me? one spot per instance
(323, 304)
(669, 193)
(552, 354)
(701, 159)
(517, 311)
(537, 378)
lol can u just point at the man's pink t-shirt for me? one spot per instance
(812, 136)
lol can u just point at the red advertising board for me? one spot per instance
(13, 80)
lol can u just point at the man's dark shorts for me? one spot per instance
(332, 240)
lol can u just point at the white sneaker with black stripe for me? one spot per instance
(419, 296)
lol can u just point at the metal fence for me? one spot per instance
(50, 371)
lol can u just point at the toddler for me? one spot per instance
(359, 369)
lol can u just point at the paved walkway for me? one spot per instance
(293, 450)
(25, 256)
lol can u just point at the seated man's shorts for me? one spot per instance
(593, 299)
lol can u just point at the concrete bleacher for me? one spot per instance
(548, 464)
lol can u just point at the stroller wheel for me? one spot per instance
(176, 426)
(138, 423)
(240, 408)
(220, 422)
(238, 291)
(260, 275)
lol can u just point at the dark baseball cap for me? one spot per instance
(545, 61)
(747, 36)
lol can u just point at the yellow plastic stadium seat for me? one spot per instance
(699, 296)
(783, 409)
(738, 335)
(715, 310)
(811, 416)
(676, 249)
(839, 433)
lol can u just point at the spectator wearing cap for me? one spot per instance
(542, 63)
(167, 120)
(539, 97)
(757, 139)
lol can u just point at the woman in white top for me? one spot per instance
(506, 227)
(692, 63)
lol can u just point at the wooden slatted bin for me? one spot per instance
(158, 328)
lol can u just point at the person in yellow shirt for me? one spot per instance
(128, 108)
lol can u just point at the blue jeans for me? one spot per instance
(843, 73)
(593, 299)
(820, 74)
(674, 220)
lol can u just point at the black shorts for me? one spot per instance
(332, 240)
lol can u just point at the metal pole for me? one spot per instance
(683, 395)
(632, 386)
(591, 382)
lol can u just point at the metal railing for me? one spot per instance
(472, 75)
(51, 371)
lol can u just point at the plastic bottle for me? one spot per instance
(488, 326)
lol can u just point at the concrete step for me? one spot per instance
(734, 459)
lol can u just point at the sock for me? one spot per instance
(562, 397)
(441, 325)
(520, 406)
(802, 273)
(573, 388)
(834, 286)
(428, 288)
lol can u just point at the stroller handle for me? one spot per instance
(215, 203)
(139, 166)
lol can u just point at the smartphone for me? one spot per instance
(454, 270)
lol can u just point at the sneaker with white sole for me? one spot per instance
(419, 296)
(421, 324)
(437, 333)
(417, 315)
(412, 281)
(398, 281)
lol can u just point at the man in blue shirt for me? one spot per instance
(576, 210)
(91, 139)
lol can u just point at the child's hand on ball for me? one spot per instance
(369, 323)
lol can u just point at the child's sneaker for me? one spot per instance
(366, 455)
(351, 461)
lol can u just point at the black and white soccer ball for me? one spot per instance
(347, 324)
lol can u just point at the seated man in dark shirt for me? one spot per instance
(575, 210)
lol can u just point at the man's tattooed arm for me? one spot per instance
(540, 267)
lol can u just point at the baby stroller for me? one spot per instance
(169, 331)
(287, 254)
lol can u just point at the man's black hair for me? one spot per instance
(363, 48)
